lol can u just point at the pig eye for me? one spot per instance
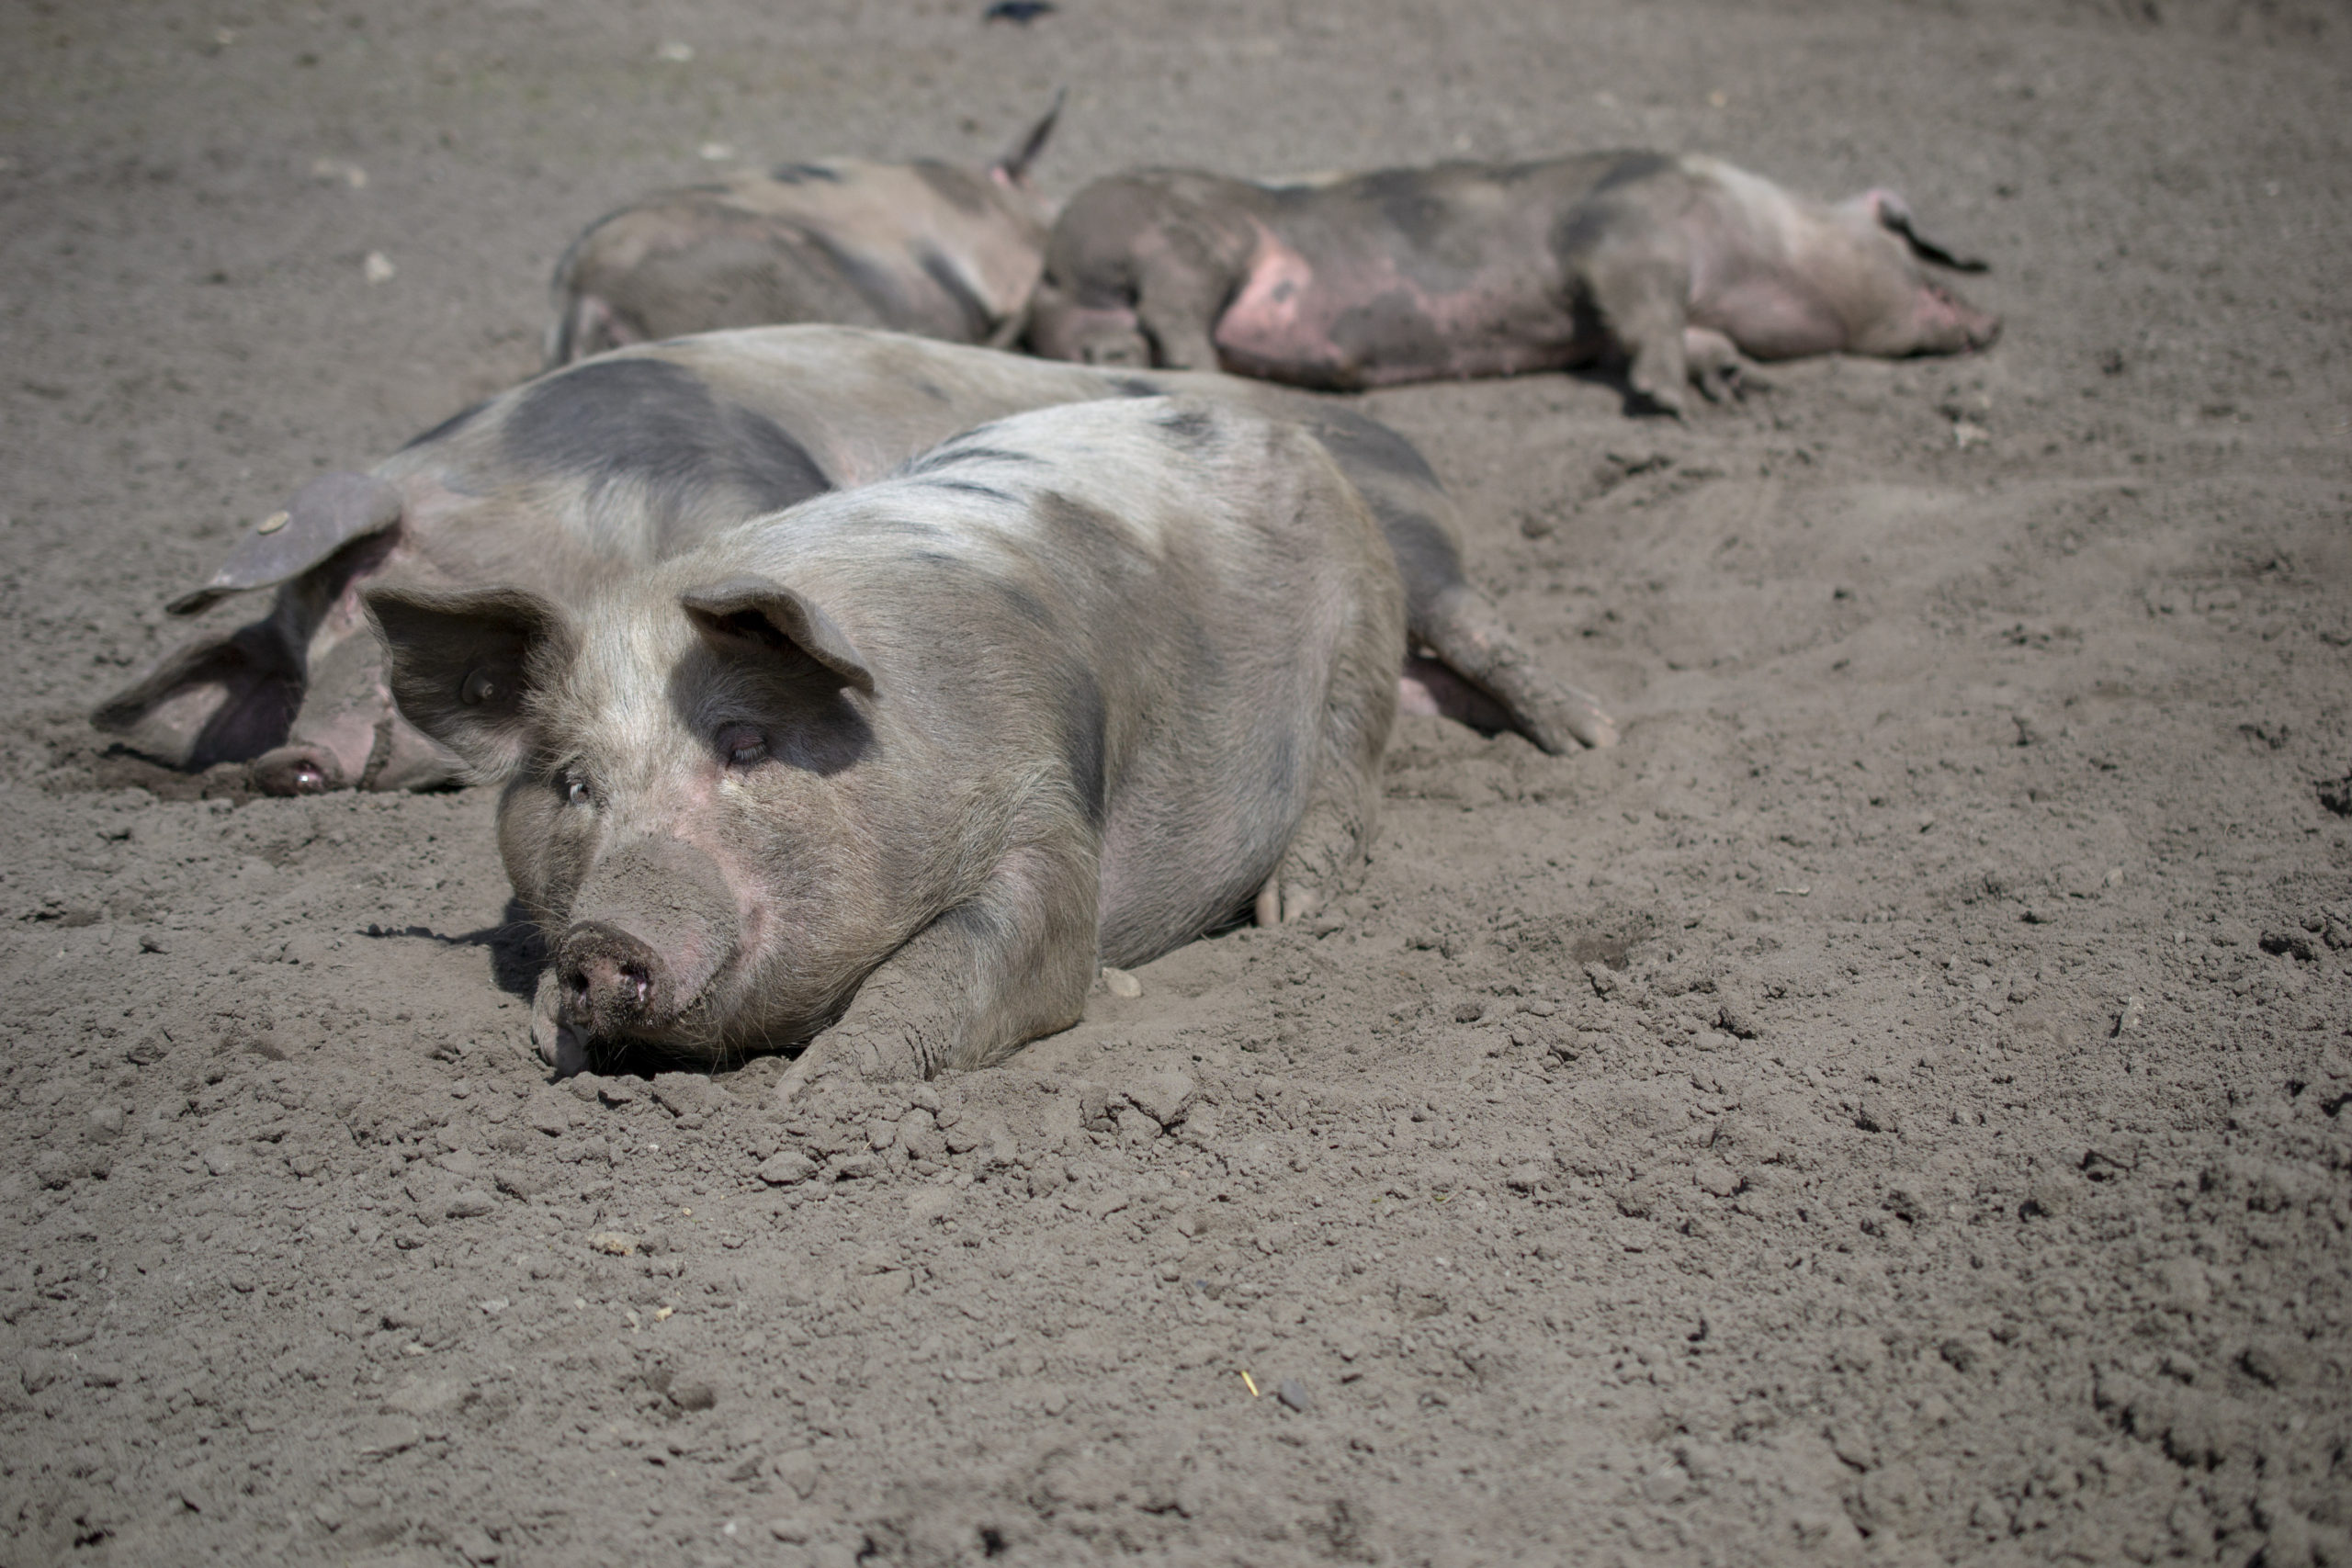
(576, 791)
(742, 745)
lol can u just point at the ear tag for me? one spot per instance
(273, 522)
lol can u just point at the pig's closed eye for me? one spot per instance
(742, 745)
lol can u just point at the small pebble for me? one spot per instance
(1121, 984)
(1293, 1392)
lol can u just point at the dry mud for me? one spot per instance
(1890, 1110)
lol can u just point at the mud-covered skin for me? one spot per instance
(1676, 265)
(1067, 689)
(586, 474)
(928, 247)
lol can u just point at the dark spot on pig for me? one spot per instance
(1632, 169)
(1406, 202)
(968, 305)
(962, 451)
(1189, 428)
(1355, 442)
(774, 467)
(795, 174)
(1082, 533)
(969, 486)
(1082, 746)
(952, 185)
(937, 394)
(1389, 327)
(876, 284)
(1022, 602)
(1583, 229)
(449, 426)
(1134, 387)
(654, 423)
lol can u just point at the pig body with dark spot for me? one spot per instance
(576, 479)
(1675, 264)
(1067, 690)
(927, 247)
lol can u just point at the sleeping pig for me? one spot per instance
(1676, 265)
(926, 247)
(587, 474)
(905, 764)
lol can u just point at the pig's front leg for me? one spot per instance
(976, 984)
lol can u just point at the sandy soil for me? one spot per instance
(1889, 1109)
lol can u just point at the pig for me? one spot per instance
(900, 767)
(587, 474)
(1677, 265)
(927, 247)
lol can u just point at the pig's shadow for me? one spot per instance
(517, 949)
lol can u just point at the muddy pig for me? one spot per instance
(1675, 264)
(926, 247)
(1065, 691)
(572, 480)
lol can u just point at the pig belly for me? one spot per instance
(1291, 322)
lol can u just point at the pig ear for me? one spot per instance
(324, 515)
(1013, 167)
(464, 664)
(757, 616)
(1895, 214)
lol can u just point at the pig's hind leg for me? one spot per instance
(1328, 850)
(1714, 364)
(1010, 963)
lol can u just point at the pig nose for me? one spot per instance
(608, 976)
(296, 769)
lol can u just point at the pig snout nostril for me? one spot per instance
(635, 985)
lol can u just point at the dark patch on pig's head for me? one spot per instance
(465, 664)
(1085, 750)
(449, 426)
(955, 186)
(799, 174)
(976, 318)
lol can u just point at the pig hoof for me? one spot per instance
(295, 770)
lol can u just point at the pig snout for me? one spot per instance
(1948, 324)
(608, 977)
(651, 928)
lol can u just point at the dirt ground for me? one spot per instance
(1889, 1109)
